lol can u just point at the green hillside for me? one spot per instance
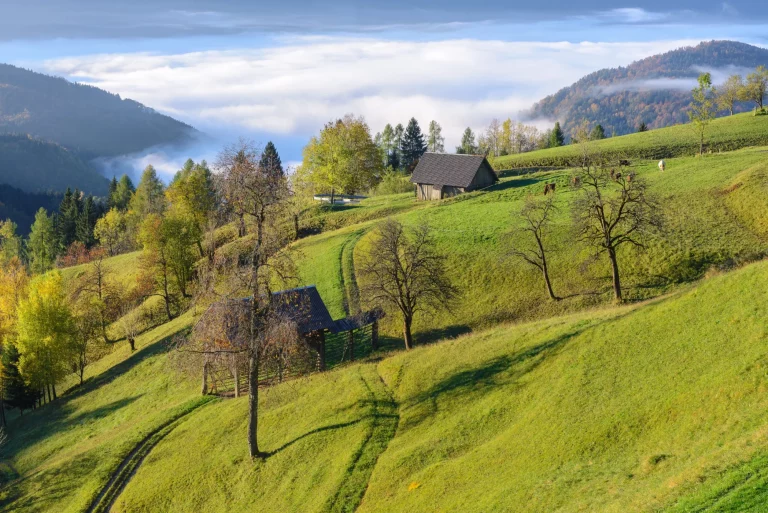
(510, 402)
(724, 134)
(650, 407)
(714, 209)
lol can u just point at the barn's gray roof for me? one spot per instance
(448, 169)
(305, 307)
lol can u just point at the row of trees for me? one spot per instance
(738, 89)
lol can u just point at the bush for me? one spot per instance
(393, 182)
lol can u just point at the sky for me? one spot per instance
(280, 70)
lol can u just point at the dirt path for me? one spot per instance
(348, 278)
(124, 472)
(383, 426)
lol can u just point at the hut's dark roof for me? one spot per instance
(305, 307)
(448, 169)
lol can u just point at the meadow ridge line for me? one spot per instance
(384, 412)
(127, 468)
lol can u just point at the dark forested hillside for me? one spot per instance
(21, 206)
(84, 119)
(33, 165)
(655, 90)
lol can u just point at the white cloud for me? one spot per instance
(293, 88)
(633, 15)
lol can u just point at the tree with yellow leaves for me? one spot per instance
(45, 331)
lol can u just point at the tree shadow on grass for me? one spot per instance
(119, 369)
(333, 427)
(54, 418)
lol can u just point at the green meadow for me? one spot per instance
(509, 402)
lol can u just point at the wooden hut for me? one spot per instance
(444, 175)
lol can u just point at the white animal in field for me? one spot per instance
(662, 165)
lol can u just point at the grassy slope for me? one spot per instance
(715, 209)
(640, 408)
(724, 134)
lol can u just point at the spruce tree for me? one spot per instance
(111, 193)
(642, 127)
(86, 222)
(413, 145)
(597, 133)
(270, 159)
(123, 193)
(16, 393)
(67, 218)
(557, 138)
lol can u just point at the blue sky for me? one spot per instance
(280, 70)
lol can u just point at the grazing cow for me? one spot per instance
(630, 177)
(549, 187)
(624, 162)
(617, 177)
(662, 165)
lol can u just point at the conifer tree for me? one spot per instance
(149, 197)
(468, 146)
(413, 145)
(270, 159)
(557, 138)
(597, 133)
(43, 243)
(111, 193)
(16, 393)
(123, 193)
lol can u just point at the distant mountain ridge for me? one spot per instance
(654, 90)
(85, 119)
(38, 166)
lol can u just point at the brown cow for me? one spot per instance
(630, 177)
(576, 181)
(549, 187)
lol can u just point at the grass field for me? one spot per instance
(649, 407)
(724, 134)
(715, 219)
(521, 404)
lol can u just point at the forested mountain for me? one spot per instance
(85, 119)
(21, 206)
(655, 90)
(33, 165)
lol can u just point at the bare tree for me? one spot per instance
(96, 283)
(402, 271)
(258, 193)
(536, 217)
(613, 210)
(130, 323)
(85, 338)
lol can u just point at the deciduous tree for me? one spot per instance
(45, 329)
(613, 212)
(110, 231)
(729, 93)
(402, 271)
(343, 158)
(260, 194)
(755, 87)
(43, 243)
(702, 110)
(529, 241)
(435, 141)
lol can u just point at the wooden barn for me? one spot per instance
(444, 175)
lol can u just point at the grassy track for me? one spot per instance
(108, 495)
